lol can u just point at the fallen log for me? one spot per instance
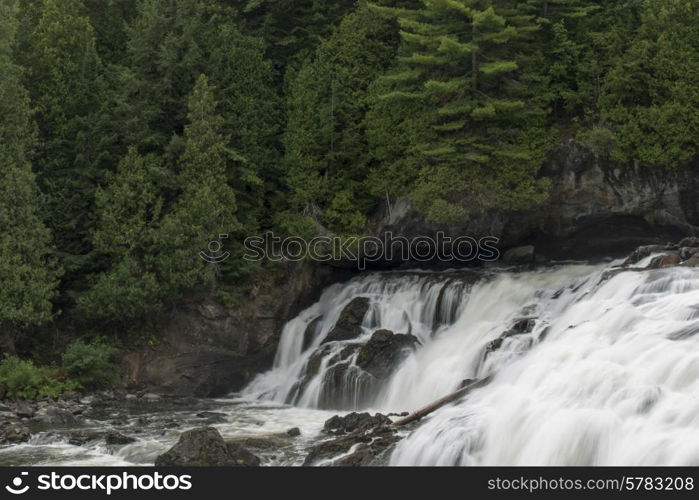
(423, 412)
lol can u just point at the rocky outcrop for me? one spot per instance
(595, 208)
(683, 254)
(349, 324)
(355, 422)
(384, 352)
(117, 438)
(205, 447)
(361, 440)
(206, 350)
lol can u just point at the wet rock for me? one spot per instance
(384, 352)
(312, 368)
(117, 438)
(310, 333)
(521, 326)
(293, 432)
(520, 255)
(82, 437)
(366, 448)
(663, 261)
(691, 241)
(355, 422)
(349, 324)
(206, 447)
(265, 442)
(693, 261)
(55, 416)
(14, 434)
(641, 253)
(24, 410)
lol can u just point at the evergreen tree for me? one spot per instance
(206, 207)
(478, 141)
(649, 98)
(28, 277)
(170, 44)
(67, 87)
(126, 240)
(325, 144)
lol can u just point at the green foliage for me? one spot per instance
(458, 89)
(650, 97)
(92, 365)
(324, 140)
(24, 380)
(28, 275)
(120, 161)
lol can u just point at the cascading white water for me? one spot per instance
(608, 374)
(420, 304)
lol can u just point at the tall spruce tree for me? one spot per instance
(27, 276)
(206, 207)
(649, 98)
(66, 85)
(477, 146)
(129, 209)
(325, 144)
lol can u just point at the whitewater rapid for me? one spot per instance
(608, 375)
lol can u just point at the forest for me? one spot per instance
(133, 132)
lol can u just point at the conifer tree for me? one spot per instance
(476, 140)
(206, 207)
(649, 99)
(27, 276)
(325, 144)
(66, 85)
(125, 239)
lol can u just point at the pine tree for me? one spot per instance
(66, 85)
(28, 278)
(649, 98)
(206, 207)
(170, 44)
(325, 144)
(476, 139)
(126, 240)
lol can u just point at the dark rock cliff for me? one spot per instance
(206, 350)
(596, 208)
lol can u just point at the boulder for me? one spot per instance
(349, 324)
(352, 422)
(293, 432)
(24, 410)
(116, 438)
(14, 434)
(367, 447)
(55, 416)
(384, 352)
(206, 447)
(82, 437)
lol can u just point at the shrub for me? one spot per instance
(92, 365)
(23, 379)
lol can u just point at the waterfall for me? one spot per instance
(591, 364)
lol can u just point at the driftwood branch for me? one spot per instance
(421, 413)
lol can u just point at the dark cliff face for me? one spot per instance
(206, 350)
(596, 208)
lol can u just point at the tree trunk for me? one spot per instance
(441, 402)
